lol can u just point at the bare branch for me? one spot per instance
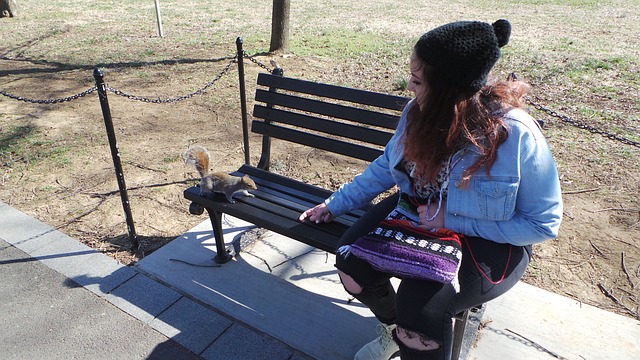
(598, 250)
(613, 209)
(624, 268)
(610, 295)
(579, 191)
(109, 193)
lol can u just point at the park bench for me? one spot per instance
(345, 121)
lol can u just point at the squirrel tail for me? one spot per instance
(198, 156)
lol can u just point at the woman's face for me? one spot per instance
(417, 84)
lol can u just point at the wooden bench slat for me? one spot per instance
(281, 205)
(319, 236)
(358, 133)
(316, 141)
(337, 111)
(299, 195)
(275, 204)
(359, 96)
(318, 194)
(298, 189)
(335, 227)
(285, 199)
(281, 200)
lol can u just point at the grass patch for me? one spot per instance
(337, 43)
(572, 3)
(25, 146)
(172, 159)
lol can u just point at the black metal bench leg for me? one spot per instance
(216, 223)
(466, 326)
(458, 334)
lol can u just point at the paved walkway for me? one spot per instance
(278, 299)
(63, 300)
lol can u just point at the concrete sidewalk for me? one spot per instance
(63, 300)
(45, 315)
(277, 299)
(292, 292)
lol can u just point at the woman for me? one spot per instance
(472, 161)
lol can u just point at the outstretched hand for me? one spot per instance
(317, 214)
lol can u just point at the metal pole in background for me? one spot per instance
(159, 17)
(115, 154)
(243, 101)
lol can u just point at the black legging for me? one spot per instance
(427, 307)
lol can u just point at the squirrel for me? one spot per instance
(219, 182)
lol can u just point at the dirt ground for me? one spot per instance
(56, 166)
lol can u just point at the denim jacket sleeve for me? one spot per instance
(377, 178)
(520, 202)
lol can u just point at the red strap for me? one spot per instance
(485, 274)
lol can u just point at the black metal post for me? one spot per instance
(243, 101)
(115, 154)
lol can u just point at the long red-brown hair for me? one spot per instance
(450, 119)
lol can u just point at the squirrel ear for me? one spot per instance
(502, 28)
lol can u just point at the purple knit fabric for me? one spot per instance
(398, 248)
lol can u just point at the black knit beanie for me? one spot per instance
(462, 53)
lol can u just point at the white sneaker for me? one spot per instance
(382, 348)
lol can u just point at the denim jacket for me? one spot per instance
(519, 203)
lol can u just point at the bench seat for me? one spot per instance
(277, 204)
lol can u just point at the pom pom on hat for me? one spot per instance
(502, 28)
(462, 53)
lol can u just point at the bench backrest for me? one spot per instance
(347, 121)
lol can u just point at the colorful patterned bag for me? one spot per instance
(398, 247)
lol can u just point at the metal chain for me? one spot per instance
(582, 125)
(139, 98)
(253, 60)
(49, 101)
(537, 106)
(175, 99)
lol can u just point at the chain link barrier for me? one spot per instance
(225, 70)
(582, 125)
(178, 98)
(253, 60)
(49, 101)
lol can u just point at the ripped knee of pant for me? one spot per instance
(349, 284)
(414, 340)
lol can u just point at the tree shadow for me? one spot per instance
(29, 43)
(146, 244)
(9, 137)
(55, 66)
(171, 350)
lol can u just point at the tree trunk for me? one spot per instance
(280, 27)
(8, 8)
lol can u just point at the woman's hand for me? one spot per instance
(317, 214)
(425, 213)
